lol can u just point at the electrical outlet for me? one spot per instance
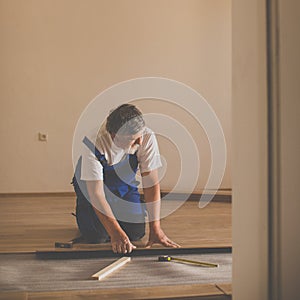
(43, 137)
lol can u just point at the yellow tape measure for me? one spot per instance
(187, 261)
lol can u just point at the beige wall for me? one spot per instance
(289, 138)
(250, 151)
(57, 55)
(266, 240)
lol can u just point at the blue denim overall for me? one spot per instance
(120, 187)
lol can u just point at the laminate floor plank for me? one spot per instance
(166, 292)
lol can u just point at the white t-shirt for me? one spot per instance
(147, 154)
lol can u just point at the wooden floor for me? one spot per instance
(28, 224)
(31, 223)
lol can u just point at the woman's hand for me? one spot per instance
(120, 243)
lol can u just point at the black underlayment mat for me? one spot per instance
(24, 272)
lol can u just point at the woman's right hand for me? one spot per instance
(120, 242)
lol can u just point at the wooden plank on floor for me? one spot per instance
(111, 268)
(73, 254)
(156, 292)
(226, 288)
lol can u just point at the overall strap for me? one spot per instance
(94, 150)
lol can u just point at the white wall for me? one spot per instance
(57, 55)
